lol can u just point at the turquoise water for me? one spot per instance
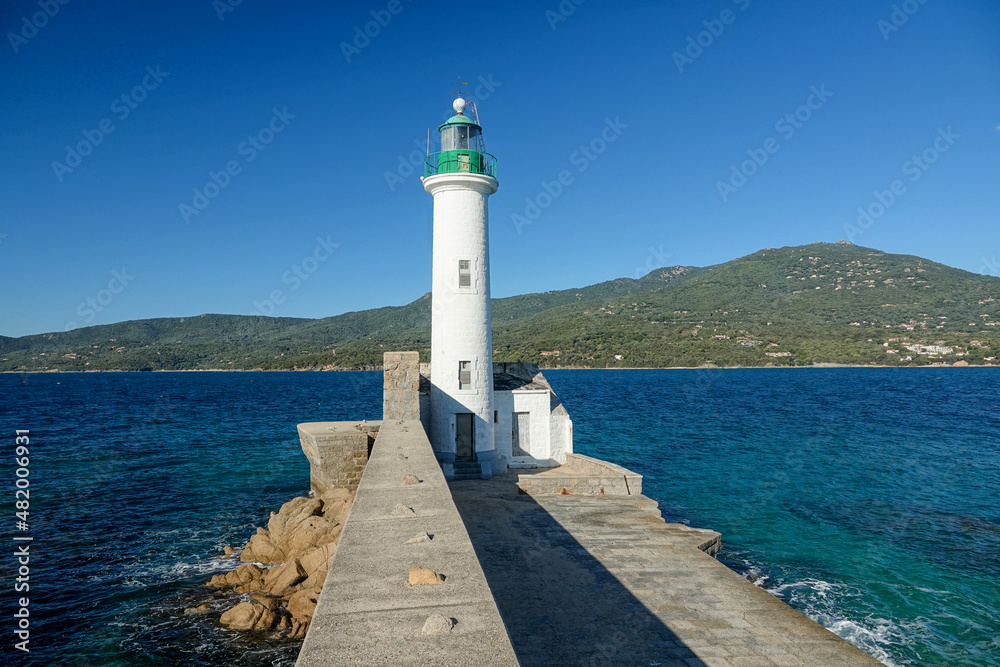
(866, 498)
(137, 481)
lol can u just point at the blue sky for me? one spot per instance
(685, 133)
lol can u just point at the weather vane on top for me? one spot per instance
(459, 83)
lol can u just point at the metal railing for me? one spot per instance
(460, 162)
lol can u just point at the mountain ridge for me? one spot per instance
(819, 303)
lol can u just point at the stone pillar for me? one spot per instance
(401, 386)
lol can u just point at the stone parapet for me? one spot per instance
(337, 452)
(582, 475)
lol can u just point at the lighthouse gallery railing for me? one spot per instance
(460, 161)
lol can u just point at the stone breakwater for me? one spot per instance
(284, 567)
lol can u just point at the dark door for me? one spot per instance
(465, 434)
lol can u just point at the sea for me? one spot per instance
(866, 498)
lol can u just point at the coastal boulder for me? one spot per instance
(252, 586)
(242, 575)
(291, 514)
(298, 630)
(336, 507)
(302, 605)
(243, 616)
(316, 563)
(310, 533)
(262, 549)
(280, 580)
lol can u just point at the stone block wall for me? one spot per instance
(337, 452)
(401, 386)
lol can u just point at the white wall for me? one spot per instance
(460, 317)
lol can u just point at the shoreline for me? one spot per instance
(548, 368)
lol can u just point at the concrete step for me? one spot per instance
(465, 470)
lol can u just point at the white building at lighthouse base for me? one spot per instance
(532, 428)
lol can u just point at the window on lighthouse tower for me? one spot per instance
(464, 374)
(464, 273)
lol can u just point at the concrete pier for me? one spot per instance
(368, 612)
(549, 579)
(603, 580)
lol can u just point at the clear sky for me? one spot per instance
(685, 133)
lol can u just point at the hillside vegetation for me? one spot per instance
(803, 305)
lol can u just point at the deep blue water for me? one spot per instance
(866, 498)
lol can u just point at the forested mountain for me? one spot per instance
(819, 303)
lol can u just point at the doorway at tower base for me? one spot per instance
(531, 427)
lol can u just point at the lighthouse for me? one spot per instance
(460, 178)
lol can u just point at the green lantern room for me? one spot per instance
(462, 148)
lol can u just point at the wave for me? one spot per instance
(822, 601)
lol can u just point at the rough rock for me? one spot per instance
(284, 624)
(302, 605)
(337, 508)
(422, 537)
(281, 579)
(243, 616)
(316, 564)
(410, 480)
(241, 575)
(437, 624)
(200, 609)
(300, 541)
(267, 620)
(262, 549)
(266, 601)
(291, 514)
(402, 511)
(298, 630)
(420, 576)
(255, 586)
(310, 533)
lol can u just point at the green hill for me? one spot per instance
(819, 303)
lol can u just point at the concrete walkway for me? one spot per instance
(369, 613)
(602, 580)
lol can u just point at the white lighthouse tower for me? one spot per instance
(461, 177)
